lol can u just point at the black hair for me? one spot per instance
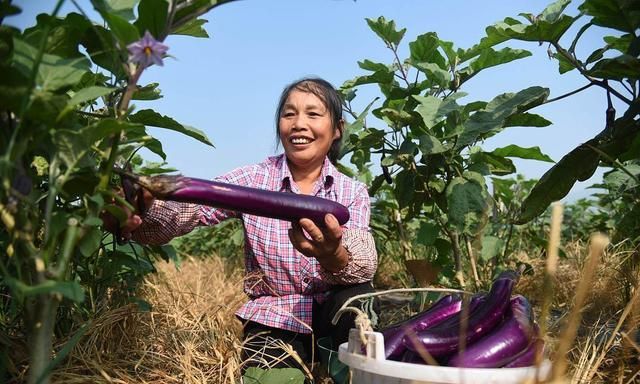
(329, 96)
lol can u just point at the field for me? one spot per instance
(190, 334)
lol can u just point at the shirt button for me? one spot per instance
(306, 280)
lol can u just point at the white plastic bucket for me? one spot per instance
(373, 368)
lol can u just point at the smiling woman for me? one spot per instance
(299, 273)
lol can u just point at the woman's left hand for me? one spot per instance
(323, 244)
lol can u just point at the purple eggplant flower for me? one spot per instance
(147, 51)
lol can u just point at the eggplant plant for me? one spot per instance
(68, 89)
(427, 141)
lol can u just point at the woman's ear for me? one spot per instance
(337, 133)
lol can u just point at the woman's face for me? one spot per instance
(305, 129)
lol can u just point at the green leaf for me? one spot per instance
(148, 92)
(434, 73)
(492, 163)
(490, 121)
(69, 289)
(579, 164)
(433, 109)
(564, 64)
(428, 233)
(255, 375)
(85, 94)
(152, 17)
(491, 58)
(54, 72)
(623, 15)
(90, 242)
(621, 43)
(467, 201)
(404, 187)
(553, 12)
(101, 45)
(7, 9)
(122, 8)
(491, 247)
(430, 145)
(124, 31)
(621, 181)
(425, 50)
(63, 35)
(192, 28)
(526, 120)
(513, 150)
(150, 117)
(618, 68)
(191, 9)
(386, 30)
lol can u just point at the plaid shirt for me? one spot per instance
(281, 282)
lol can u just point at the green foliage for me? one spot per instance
(66, 81)
(225, 240)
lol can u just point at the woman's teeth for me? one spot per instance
(300, 140)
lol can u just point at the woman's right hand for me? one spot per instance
(141, 199)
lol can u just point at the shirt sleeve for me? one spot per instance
(359, 243)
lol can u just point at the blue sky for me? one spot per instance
(228, 85)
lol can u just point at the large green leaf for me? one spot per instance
(434, 73)
(386, 30)
(491, 120)
(122, 8)
(192, 28)
(404, 188)
(425, 50)
(428, 233)
(150, 117)
(618, 68)
(63, 35)
(490, 163)
(623, 15)
(255, 375)
(526, 120)
(84, 95)
(430, 145)
(579, 164)
(101, 45)
(491, 247)
(54, 72)
(433, 109)
(532, 153)
(152, 17)
(491, 58)
(466, 201)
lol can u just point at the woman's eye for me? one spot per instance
(287, 114)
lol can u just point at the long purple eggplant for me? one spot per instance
(440, 311)
(527, 357)
(508, 339)
(254, 201)
(444, 338)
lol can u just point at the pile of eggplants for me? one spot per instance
(499, 330)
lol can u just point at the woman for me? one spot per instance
(298, 274)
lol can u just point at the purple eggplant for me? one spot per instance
(254, 201)
(499, 346)
(442, 309)
(444, 338)
(527, 357)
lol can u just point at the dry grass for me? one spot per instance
(190, 336)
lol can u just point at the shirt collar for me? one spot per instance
(327, 173)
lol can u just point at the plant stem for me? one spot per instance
(43, 316)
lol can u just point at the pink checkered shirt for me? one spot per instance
(281, 282)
